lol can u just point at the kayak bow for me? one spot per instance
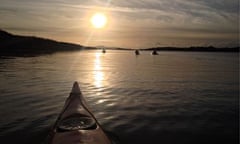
(76, 124)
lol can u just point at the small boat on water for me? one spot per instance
(154, 52)
(137, 52)
(103, 50)
(76, 124)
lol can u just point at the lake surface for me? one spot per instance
(170, 98)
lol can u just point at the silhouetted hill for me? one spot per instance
(15, 45)
(4, 35)
(194, 49)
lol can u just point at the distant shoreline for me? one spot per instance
(27, 46)
(194, 49)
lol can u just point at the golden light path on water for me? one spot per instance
(98, 73)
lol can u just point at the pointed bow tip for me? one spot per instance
(75, 88)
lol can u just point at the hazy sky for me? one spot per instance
(131, 23)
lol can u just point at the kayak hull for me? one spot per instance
(76, 124)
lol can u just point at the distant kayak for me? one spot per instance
(137, 52)
(103, 50)
(76, 124)
(154, 52)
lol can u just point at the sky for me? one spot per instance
(131, 23)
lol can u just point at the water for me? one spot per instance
(171, 98)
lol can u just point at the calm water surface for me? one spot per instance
(171, 98)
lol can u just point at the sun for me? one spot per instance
(99, 20)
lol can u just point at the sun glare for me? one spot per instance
(99, 20)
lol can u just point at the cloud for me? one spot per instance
(229, 6)
(204, 9)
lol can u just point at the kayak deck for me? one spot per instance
(76, 124)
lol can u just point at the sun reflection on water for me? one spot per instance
(98, 74)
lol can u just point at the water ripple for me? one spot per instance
(175, 97)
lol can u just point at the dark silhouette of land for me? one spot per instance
(194, 48)
(16, 45)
